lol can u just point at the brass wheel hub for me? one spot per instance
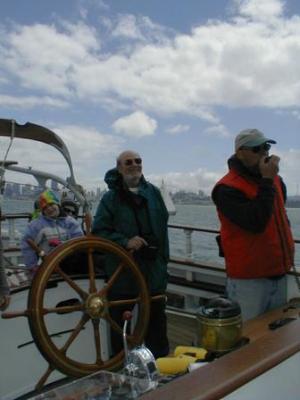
(95, 306)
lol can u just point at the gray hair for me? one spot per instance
(121, 155)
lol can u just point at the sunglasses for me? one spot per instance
(129, 161)
(69, 211)
(258, 149)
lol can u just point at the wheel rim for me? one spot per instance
(93, 306)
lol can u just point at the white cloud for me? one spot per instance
(260, 9)
(137, 124)
(241, 62)
(127, 27)
(289, 169)
(138, 28)
(204, 179)
(218, 130)
(201, 179)
(88, 148)
(31, 101)
(87, 6)
(96, 144)
(43, 57)
(249, 60)
(180, 128)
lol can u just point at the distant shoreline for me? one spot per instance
(289, 204)
(194, 203)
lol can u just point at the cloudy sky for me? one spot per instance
(175, 80)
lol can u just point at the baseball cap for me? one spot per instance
(251, 138)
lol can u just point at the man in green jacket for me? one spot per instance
(133, 215)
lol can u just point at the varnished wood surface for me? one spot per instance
(258, 326)
(217, 379)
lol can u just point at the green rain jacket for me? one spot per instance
(118, 219)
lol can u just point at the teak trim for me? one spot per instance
(233, 370)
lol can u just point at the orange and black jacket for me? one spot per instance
(256, 238)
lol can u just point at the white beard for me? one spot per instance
(132, 181)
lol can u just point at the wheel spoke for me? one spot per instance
(158, 297)
(75, 333)
(112, 279)
(70, 281)
(97, 341)
(88, 222)
(113, 324)
(93, 288)
(117, 303)
(63, 310)
(44, 378)
(15, 314)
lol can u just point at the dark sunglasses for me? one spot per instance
(130, 161)
(69, 211)
(258, 149)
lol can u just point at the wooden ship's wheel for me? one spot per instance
(92, 306)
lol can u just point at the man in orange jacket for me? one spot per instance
(256, 238)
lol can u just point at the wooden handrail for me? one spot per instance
(226, 374)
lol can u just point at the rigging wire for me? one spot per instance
(2, 185)
(2, 166)
(13, 131)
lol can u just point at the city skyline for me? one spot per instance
(30, 191)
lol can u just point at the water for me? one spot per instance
(16, 206)
(203, 244)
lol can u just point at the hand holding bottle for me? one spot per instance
(269, 166)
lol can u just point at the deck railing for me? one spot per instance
(188, 232)
(10, 220)
(188, 275)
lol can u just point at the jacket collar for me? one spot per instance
(114, 180)
(241, 169)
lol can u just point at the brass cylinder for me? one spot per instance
(219, 335)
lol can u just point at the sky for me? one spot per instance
(173, 80)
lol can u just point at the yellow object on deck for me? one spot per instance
(198, 352)
(174, 365)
